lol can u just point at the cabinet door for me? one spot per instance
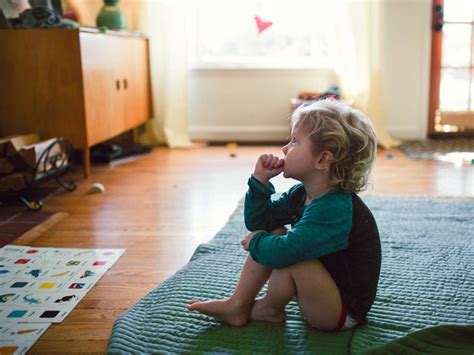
(134, 72)
(41, 84)
(103, 88)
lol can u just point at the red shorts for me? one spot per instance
(345, 322)
(342, 320)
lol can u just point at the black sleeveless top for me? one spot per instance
(356, 270)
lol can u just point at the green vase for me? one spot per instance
(111, 16)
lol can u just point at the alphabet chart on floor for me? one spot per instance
(40, 286)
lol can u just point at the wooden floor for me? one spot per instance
(161, 207)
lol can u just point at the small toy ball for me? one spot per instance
(389, 156)
(96, 187)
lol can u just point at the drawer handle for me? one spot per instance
(117, 84)
(125, 84)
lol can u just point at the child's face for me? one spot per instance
(299, 159)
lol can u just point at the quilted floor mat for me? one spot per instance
(444, 339)
(426, 280)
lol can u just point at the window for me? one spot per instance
(451, 110)
(457, 62)
(294, 34)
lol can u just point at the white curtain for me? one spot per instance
(164, 22)
(357, 45)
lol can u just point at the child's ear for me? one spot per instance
(323, 160)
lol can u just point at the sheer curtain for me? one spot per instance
(164, 22)
(357, 45)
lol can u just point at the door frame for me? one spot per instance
(435, 73)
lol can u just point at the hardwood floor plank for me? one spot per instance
(50, 346)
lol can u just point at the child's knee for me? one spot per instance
(304, 267)
(312, 266)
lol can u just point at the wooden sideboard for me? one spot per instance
(85, 86)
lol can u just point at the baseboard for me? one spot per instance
(240, 133)
(265, 133)
(406, 133)
(271, 133)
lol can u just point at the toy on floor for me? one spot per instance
(96, 187)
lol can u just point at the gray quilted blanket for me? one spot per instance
(426, 280)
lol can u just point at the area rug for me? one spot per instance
(433, 149)
(426, 281)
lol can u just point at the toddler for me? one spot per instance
(330, 258)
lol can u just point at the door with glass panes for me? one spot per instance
(451, 110)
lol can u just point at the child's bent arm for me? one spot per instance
(319, 232)
(260, 212)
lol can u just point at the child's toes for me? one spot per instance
(190, 303)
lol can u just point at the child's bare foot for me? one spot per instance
(261, 311)
(232, 313)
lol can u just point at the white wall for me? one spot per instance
(247, 104)
(252, 105)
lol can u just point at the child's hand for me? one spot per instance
(246, 241)
(267, 166)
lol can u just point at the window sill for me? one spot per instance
(240, 66)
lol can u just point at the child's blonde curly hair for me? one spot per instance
(344, 131)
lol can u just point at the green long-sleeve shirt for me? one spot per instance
(319, 228)
(337, 228)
